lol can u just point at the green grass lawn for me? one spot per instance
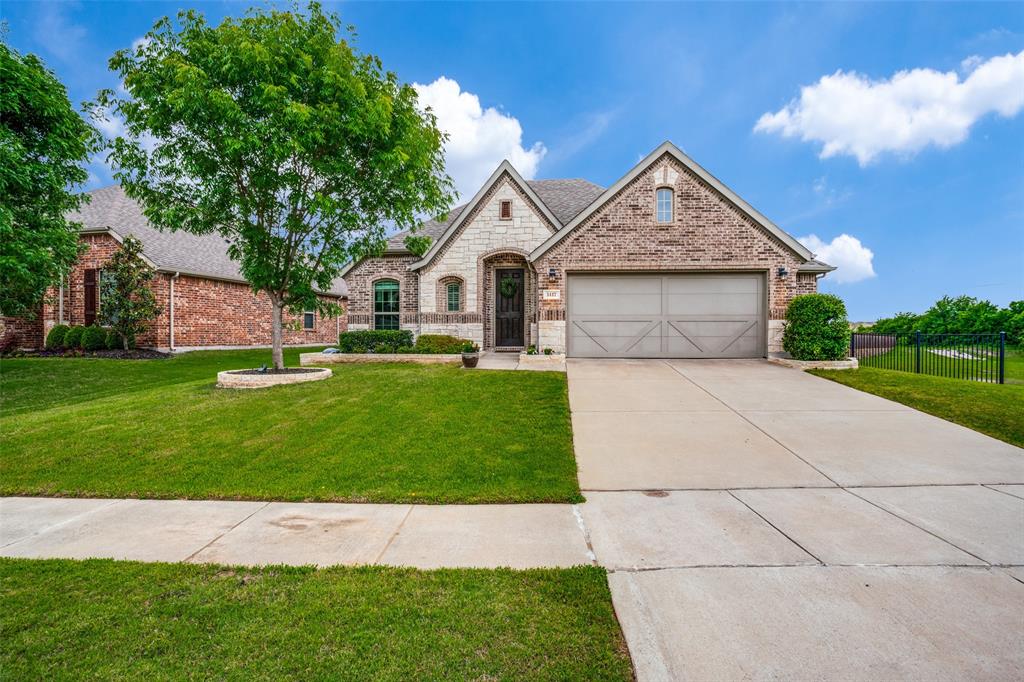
(118, 620)
(997, 410)
(375, 433)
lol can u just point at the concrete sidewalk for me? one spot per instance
(252, 533)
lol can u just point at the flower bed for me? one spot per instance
(307, 359)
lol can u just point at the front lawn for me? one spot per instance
(371, 433)
(118, 620)
(993, 409)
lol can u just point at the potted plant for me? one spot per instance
(470, 354)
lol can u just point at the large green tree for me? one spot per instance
(274, 132)
(44, 145)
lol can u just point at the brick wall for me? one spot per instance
(706, 233)
(360, 281)
(207, 312)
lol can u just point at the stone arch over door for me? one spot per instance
(488, 265)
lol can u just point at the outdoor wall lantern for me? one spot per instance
(552, 273)
(783, 272)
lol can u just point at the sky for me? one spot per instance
(888, 138)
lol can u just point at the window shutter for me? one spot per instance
(91, 298)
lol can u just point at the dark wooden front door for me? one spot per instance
(508, 310)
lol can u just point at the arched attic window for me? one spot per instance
(663, 201)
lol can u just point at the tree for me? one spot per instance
(43, 146)
(127, 302)
(277, 135)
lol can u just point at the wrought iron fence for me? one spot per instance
(974, 357)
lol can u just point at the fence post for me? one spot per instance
(853, 345)
(1002, 357)
(917, 352)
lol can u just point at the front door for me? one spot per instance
(508, 307)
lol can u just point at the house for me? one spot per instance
(667, 262)
(205, 302)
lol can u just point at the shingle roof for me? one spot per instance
(564, 198)
(203, 255)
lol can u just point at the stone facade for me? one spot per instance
(707, 233)
(207, 312)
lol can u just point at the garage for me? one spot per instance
(693, 315)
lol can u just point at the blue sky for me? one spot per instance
(801, 109)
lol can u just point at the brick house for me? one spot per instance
(205, 302)
(667, 262)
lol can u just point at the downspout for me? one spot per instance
(171, 307)
(60, 301)
(419, 293)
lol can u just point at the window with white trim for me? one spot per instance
(385, 304)
(664, 204)
(309, 320)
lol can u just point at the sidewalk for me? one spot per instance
(420, 536)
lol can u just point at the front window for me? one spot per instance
(385, 304)
(454, 297)
(664, 196)
(308, 319)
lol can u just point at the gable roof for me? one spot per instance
(111, 210)
(566, 196)
(696, 169)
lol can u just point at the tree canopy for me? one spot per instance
(129, 304)
(274, 132)
(958, 315)
(44, 145)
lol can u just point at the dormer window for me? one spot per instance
(664, 204)
(505, 209)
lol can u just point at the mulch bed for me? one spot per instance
(134, 354)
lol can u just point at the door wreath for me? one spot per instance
(508, 287)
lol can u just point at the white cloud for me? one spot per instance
(851, 114)
(60, 36)
(479, 139)
(851, 258)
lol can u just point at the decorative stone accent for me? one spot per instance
(551, 335)
(235, 378)
(543, 363)
(352, 358)
(848, 363)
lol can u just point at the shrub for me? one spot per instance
(816, 328)
(113, 341)
(73, 337)
(55, 339)
(439, 343)
(94, 338)
(380, 340)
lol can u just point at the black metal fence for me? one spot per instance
(974, 357)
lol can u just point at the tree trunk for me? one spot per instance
(124, 340)
(277, 333)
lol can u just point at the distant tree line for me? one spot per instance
(958, 315)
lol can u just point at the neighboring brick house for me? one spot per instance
(205, 302)
(667, 262)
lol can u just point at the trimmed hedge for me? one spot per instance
(438, 344)
(73, 337)
(55, 339)
(94, 338)
(816, 328)
(374, 340)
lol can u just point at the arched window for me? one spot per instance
(664, 205)
(385, 304)
(454, 294)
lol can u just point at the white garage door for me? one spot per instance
(699, 315)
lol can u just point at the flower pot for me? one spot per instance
(470, 359)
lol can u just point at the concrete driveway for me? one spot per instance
(762, 523)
